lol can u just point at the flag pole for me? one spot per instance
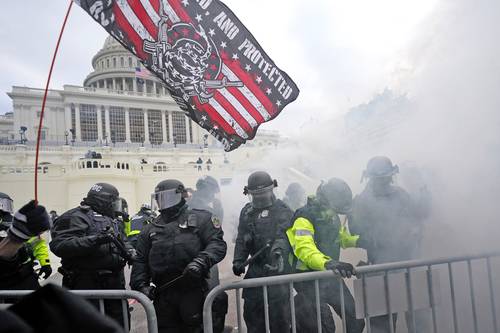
(45, 98)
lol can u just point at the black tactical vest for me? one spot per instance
(326, 227)
(175, 244)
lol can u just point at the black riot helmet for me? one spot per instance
(260, 188)
(295, 190)
(335, 194)
(103, 198)
(6, 203)
(168, 193)
(380, 167)
(208, 184)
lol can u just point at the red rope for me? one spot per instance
(45, 98)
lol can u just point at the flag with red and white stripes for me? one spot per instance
(212, 65)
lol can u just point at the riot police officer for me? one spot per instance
(261, 234)
(295, 196)
(205, 198)
(134, 226)
(390, 222)
(175, 253)
(89, 242)
(316, 238)
(25, 227)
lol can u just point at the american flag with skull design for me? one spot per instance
(212, 65)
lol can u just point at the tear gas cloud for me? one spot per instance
(439, 119)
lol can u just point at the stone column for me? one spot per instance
(105, 83)
(154, 87)
(188, 136)
(134, 84)
(77, 123)
(146, 127)
(107, 124)
(127, 126)
(124, 84)
(67, 117)
(114, 84)
(164, 127)
(170, 127)
(99, 123)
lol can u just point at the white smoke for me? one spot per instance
(448, 128)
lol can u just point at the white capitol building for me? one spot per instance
(127, 117)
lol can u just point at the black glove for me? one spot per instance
(344, 269)
(149, 291)
(238, 269)
(45, 272)
(132, 254)
(277, 262)
(103, 238)
(196, 268)
(29, 221)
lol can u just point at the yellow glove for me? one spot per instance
(346, 239)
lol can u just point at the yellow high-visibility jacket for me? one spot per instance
(307, 254)
(40, 250)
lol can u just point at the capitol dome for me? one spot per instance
(117, 69)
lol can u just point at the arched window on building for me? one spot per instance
(130, 62)
(179, 127)
(103, 123)
(107, 63)
(136, 117)
(167, 127)
(73, 122)
(88, 122)
(122, 62)
(117, 124)
(89, 165)
(95, 165)
(155, 127)
(114, 62)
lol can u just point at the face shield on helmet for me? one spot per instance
(165, 199)
(6, 205)
(120, 206)
(261, 198)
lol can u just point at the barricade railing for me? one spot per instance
(101, 296)
(438, 295)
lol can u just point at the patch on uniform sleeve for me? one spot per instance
(216, 222)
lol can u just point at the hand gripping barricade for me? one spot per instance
(101, 295)
(456, 294)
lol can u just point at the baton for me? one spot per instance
(256, 255)
(171, 282)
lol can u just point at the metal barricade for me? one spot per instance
(101, 295)
(444, 290)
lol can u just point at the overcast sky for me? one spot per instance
(339, 52)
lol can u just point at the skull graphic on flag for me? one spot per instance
(188, 60)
